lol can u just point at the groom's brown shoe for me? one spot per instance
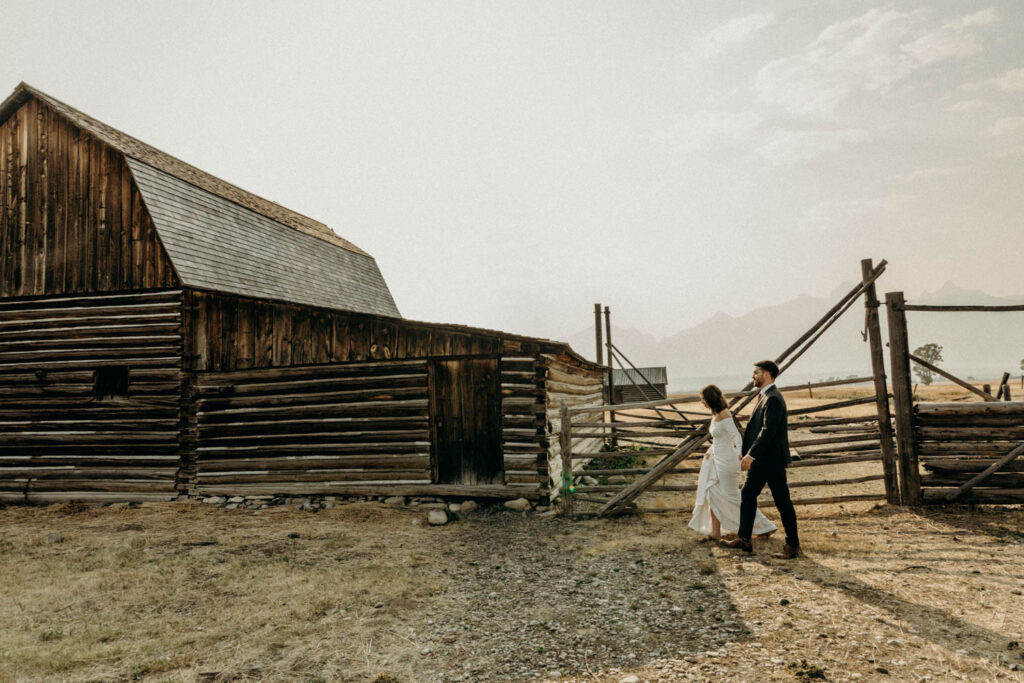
(788, 553)
(739, 543)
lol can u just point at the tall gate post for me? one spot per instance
(885, 433)
(565, 442)
(903, 399)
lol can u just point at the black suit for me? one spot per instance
(766, 440)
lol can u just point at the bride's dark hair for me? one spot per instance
(714, 397)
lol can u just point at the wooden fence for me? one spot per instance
(970, 450)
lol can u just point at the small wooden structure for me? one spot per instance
(163, 332)
(641, 384)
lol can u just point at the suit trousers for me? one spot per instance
(775, 478)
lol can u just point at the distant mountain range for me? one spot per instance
(722, 348)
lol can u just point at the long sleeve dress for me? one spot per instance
(718, 485)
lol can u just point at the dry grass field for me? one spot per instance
(364, 592)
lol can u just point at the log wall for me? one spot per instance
(578, 386)
(71, 217)
(956, 441)
(58, 440)
(352, 428)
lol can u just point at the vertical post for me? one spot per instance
(1004, 387)
(903, 400)
(611, 372)
(810, 394)
(565, 441)
(599, 354)
(885, 435)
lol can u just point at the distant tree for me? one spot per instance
(931, 353)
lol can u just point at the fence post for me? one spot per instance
(885, 435)
(903, 399)
(566, 448)
(611, 371)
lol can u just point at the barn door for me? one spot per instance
(465, 421)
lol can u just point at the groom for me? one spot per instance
(765, 456)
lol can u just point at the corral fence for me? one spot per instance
(970, 451)
(672, 430)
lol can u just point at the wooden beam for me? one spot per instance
(994, 467)
(886, 435)
(952, 378)
(963, 309)
(903, 400)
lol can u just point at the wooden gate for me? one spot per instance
(465, 421)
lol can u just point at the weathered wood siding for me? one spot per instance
(576, 385)
(956, 441)
(228, 332)
(524, 443)
(58, 441)
(314, 429)
(71, 218)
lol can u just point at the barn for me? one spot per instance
(164, 333)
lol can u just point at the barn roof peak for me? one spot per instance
(151, 156)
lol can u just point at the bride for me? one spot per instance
(717, 508)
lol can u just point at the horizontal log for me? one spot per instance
(836, 405)
(170, 326)
(314, 426)
(83, 300)
(978, 495)
(964, 448)
(963, 309)
(843, 429)
(299, 372)
(80, 472)
(961, 421)
(837, 482)
(1001, 479)
(210, 405)
(43, 425)
(377, 461)
(219, 453)
(837, 460)
(846, 438)
(969, 433)
(313, 385)
(383, 489)
(828, 421)
(102, 485)
(841, 448)
(609, 488)
(618, 454)
(337, 476)
(79, 353)
(336, 437)
(834, 500)
(360, 408)
(70, 439)
(940, 465)
(93, 497)
(974, 408)
(92, 362)
(87, 461)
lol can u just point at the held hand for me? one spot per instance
(746, 462)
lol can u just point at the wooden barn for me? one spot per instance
(163, 332)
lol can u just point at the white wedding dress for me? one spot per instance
(718, 485)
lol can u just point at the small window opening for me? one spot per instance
(111, 382)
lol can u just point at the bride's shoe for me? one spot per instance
(707, 539)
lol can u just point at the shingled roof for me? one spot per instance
(223, 238)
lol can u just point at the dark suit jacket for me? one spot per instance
(767, 436)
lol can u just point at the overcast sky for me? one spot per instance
(509, 164)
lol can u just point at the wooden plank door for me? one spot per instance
(465, 422)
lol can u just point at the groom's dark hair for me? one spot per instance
(768, 366)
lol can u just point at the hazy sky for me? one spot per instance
(510, 164)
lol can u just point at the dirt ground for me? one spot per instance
(365, 592)
(185, 591)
